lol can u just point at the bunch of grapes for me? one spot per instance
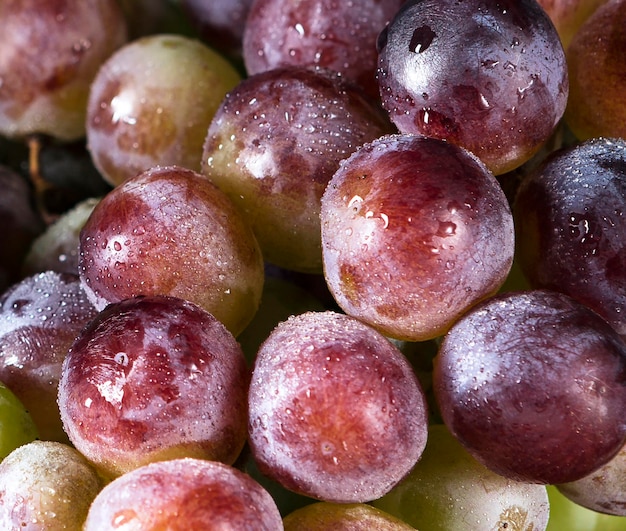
(313, 265)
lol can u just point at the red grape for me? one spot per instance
(274, 144)
(170, 231)
(184, 495)
(152, 378)
(414, 231)
(569, 15)
(340, 36)
(335, 410)
(49, 54)
(533, 384)
(488, 76)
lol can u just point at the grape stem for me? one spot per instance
(40, 185)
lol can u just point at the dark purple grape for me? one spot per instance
(533, 384)
(21, 224)
(338, 35)
(415, 231)
(150, 379)
(488, 76)
(273, 145)
(570, 216)
(335, 410)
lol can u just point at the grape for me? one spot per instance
(570, 218)
(17, 426)
(565, 514)
(322, 516)
(170, 231)
(335, 411)
(340, 36)
(603, 489)
(153, 378)
(46, 485)
(184, 494)
(21, 224)
(569, 15)
(39, 319)
(414, 231)
(151, 104)
(488, 76)
(448, 489)
(534, 386)
(274, 144)
(596, 69)
(56, 249)
(50, 53)
(220, 23)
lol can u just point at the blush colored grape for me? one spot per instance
(569, 15)
(170, 231)
(533, 384)
(151, 104)
(340, 36)
(154, 378)
(335, 410)
(274, 144)
(48, 486)
(488, 76)
(414, 232)
(570, 216)
(39, 319)
(49, 54)
(597, 63)
(183, 495)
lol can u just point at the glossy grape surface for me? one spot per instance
(153, 378)
(39, 319)
(534, 386)
(596, 69)
(414, 232)
(49, 54)
(151, 104)
(488, 76)
(338, 35)
(273, 145)
(47, 486)
(448, 489)
(170, 231)
(570, 218)
(184, 494)
(335, 410)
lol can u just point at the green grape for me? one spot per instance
(449, 490)
(569, 516)
(16, 425)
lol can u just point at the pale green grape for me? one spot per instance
(16, 425)
(449, 490)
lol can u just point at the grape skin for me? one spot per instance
(46, 485)
(570, 218)
(170, 231)
(335, 411)
(489, 76)
(49, 54)
(274, 144)
(533, 384)
(414, 232)
(184, 494)
(151, 104)
(152, 378)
